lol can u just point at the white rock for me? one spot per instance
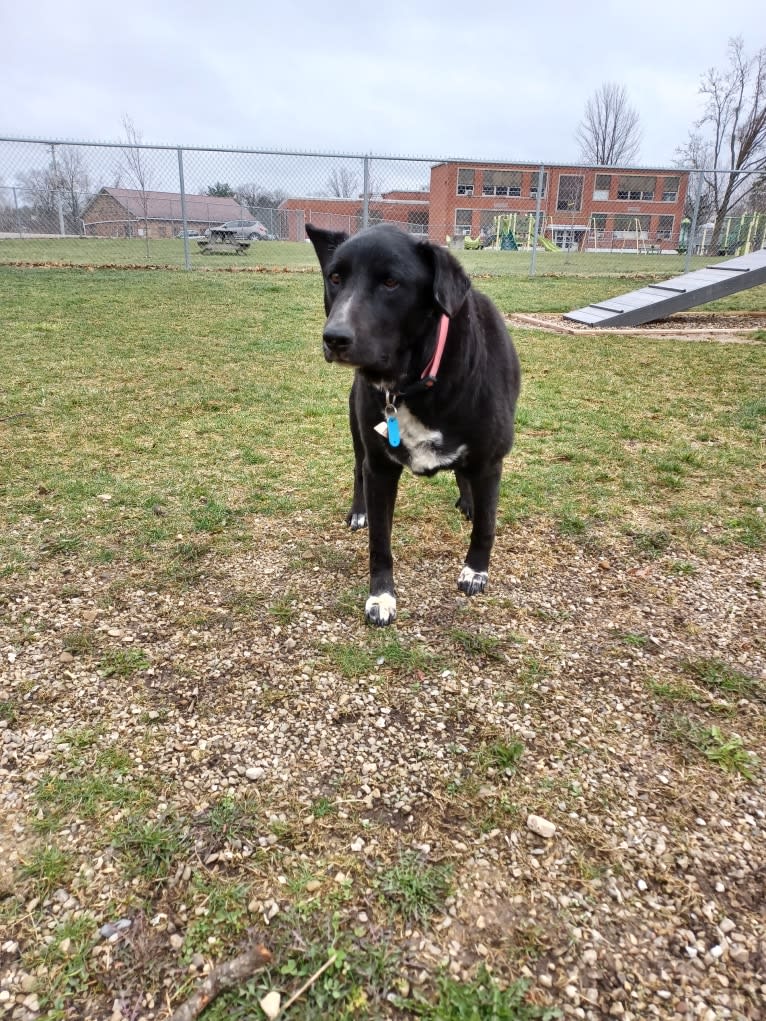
(270, 1004)
(542, 827)
(254, 772)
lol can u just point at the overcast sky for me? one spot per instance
(479, 79)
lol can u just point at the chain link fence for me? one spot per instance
(133, 204)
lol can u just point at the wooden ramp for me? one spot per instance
(656, 301)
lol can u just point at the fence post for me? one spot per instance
(691, 241)
(57, 186)
(16, 209)
(187, 257)
(538, 207)
(366, 197)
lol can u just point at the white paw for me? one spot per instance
(472, 582)
(357, 521)
(381, 610)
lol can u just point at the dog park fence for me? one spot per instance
(135, 204)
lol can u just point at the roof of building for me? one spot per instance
(166, 205)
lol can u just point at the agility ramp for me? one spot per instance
(656, 301)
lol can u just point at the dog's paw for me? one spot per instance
(380, 611)
(356, 521)
(465, 507)
(472, 582)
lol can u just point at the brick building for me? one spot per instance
(581, 207)
(408, 208)
(128, 212)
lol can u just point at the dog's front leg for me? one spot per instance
(485, 489)
(380, 487)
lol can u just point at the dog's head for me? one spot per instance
(384, 292)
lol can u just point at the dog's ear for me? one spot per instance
(325, 242)
(451, 283)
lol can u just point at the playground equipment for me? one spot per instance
(656, 301)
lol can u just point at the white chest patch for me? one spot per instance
(425, 445)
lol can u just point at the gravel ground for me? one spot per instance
(648, 899)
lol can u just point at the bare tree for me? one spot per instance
(137, 170)
(255, 197)
(731, 135)
(609, 134)
(74, 183)
(343, 183)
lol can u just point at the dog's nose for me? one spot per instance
(337, 338)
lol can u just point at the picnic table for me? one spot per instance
(235, 246)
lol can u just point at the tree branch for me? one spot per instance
(224, 976)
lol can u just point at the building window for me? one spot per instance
(570, 193)
(670, 189)
(631, 228)
(601, 190)
(533, 184)
(417, 221)
(598, 221)
(463, 222)
(665, 228)
(465, 181)
(502, 182)
(635, 188)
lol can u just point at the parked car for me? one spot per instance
(189, 233)
(238, 230)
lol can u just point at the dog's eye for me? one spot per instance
(334, 279)
(390, 284)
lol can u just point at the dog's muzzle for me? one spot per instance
(336, 342)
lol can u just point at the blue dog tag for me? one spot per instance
(392, 422)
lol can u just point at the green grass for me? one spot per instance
(724, 679)
(414, 889)
(149, 850)
(727, 751)
(219, 402)
(482, 999)
(47, 868)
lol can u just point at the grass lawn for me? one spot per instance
(205, 398)
(294, 255)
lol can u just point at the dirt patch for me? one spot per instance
(705, 327)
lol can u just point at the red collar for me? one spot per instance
(431, 370)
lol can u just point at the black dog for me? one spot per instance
(435, 386)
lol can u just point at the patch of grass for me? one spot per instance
(635, 641)
(752, 414)
(482, 999)
(46, 869)
(123, 662)
(477, 644)
(284, 608)
(392, 653)
(323, 807)
(220, 917)
(150, 850)
(79, 642)
(8, 712)
(502, 755)
(720, 677)
(683, 568)
(415, 889)
(85, 796)
(726, 751)
(673, 691)
(652, 544)
(232, 818)
(67, 959)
